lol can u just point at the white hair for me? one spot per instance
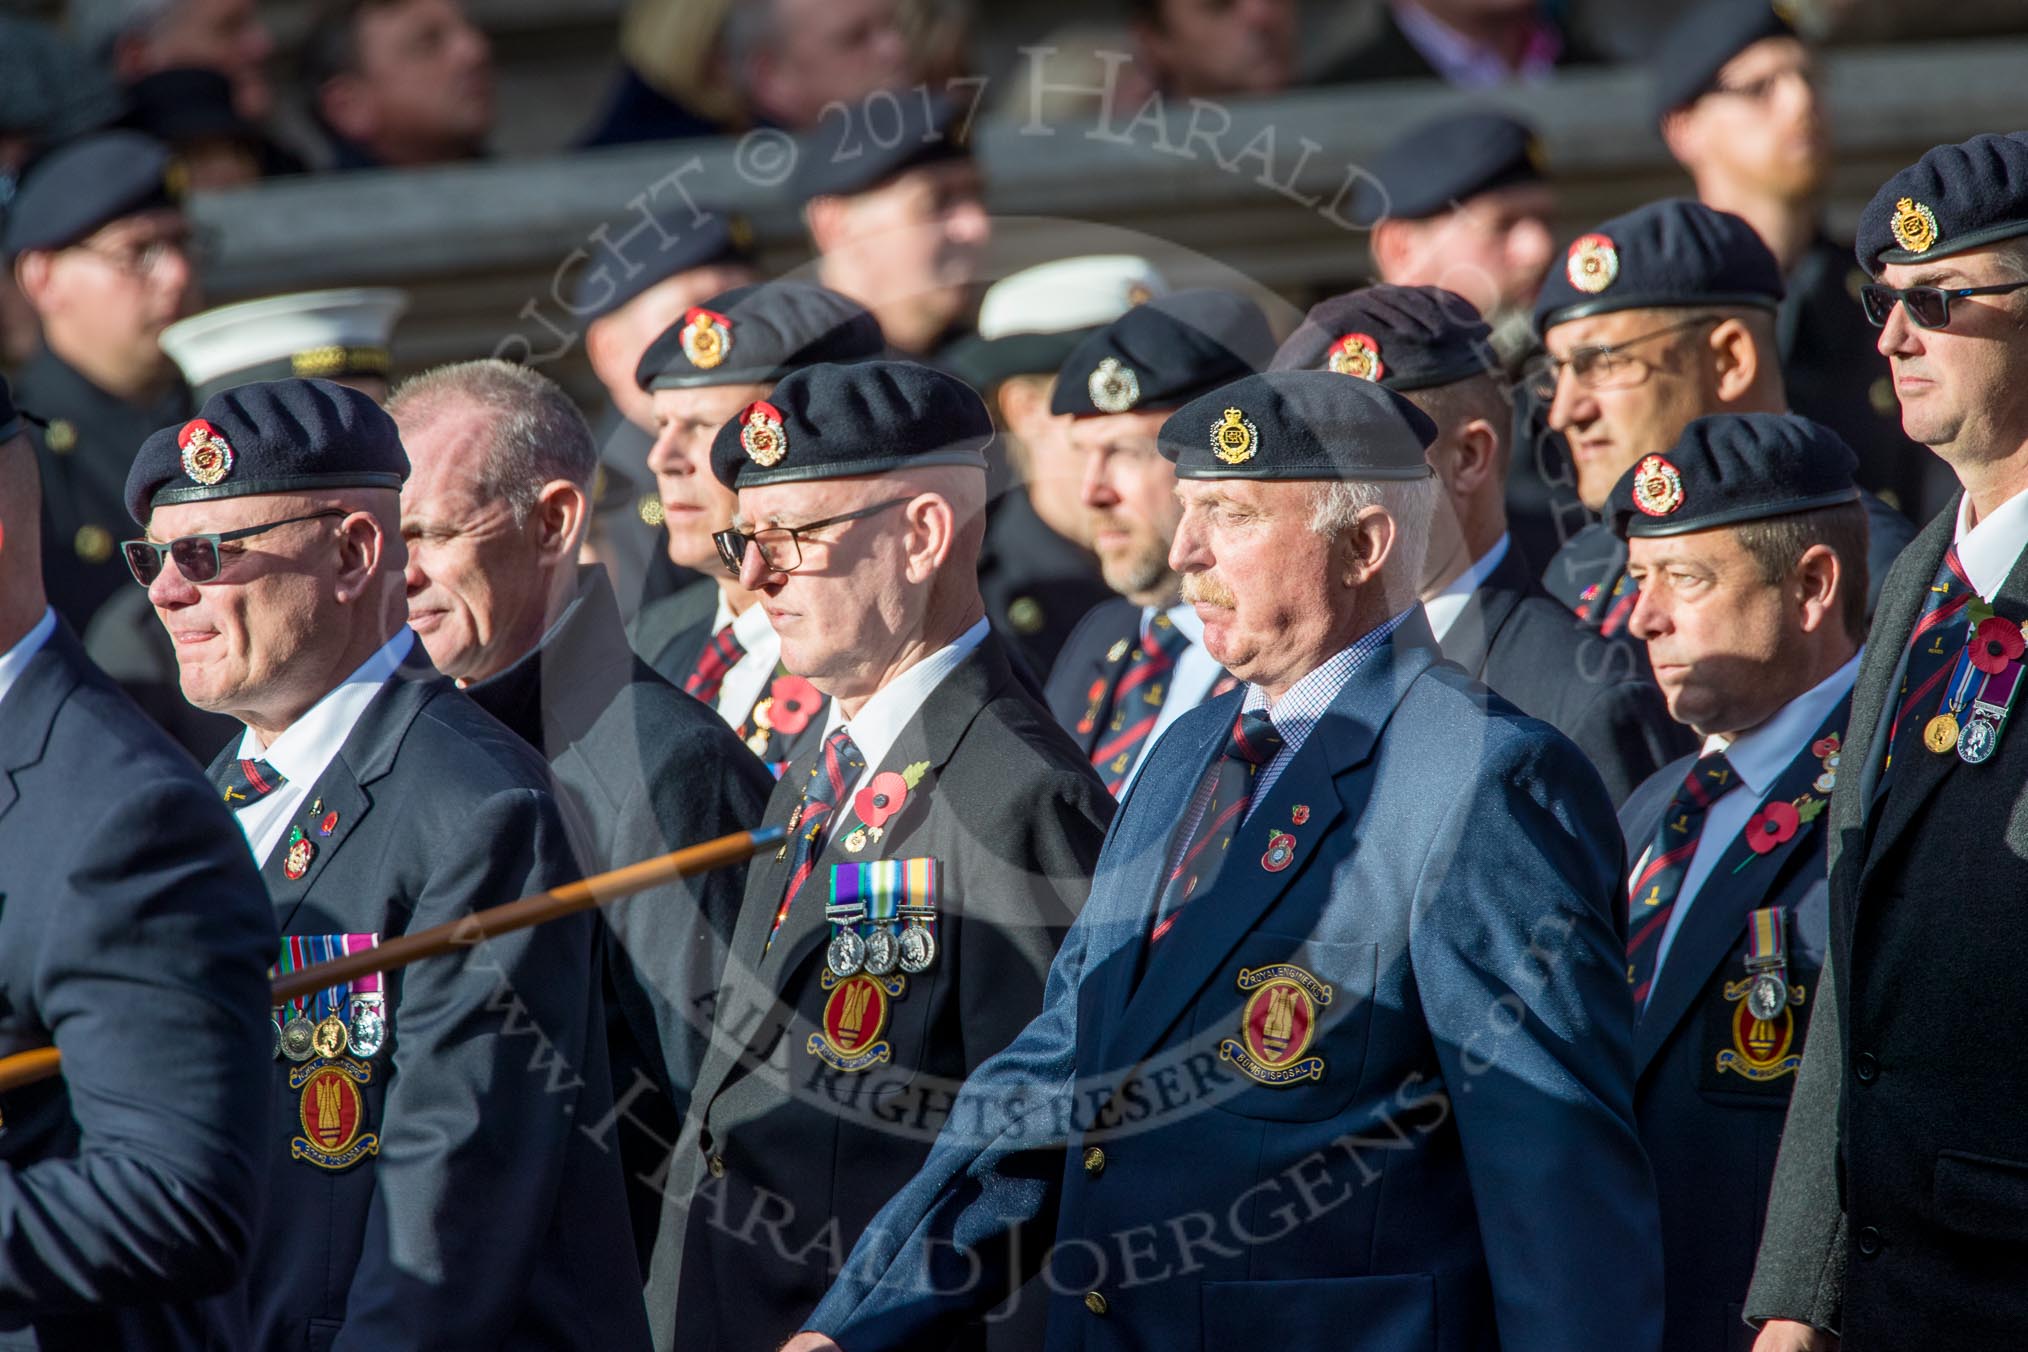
(1411, 502)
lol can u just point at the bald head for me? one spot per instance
(493, 511)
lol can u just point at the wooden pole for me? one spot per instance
(25, 1068)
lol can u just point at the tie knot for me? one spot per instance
(1710, 777)
(1254, 739)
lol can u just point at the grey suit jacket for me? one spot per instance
(1800, 1273)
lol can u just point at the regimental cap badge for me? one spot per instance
(1113, 387)
(1234, 439)
(1914, 226)
(762, 435)
(1356, 354)
(707, 337)
(207, 456)
(1593, 264)
(1658, 487)
(176, 180)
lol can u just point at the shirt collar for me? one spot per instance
(1989, 550)
(1445, 607)
(1757, 757)
(1303, 704)
(879, 722)
(16, 659)
(309, 743)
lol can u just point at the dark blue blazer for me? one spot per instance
(1085, 660)
(1462, 1172)
(488, 1218)
(136, 938)
(1711, 1132)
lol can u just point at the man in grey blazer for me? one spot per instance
(1899, 1216)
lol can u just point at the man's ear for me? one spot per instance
(824, 217)
(558, 519)
(1364, 546)
(1818, 577)
(1736, 360)
(932, 530)
(1477, 458)
(361, 542)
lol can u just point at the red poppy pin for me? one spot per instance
(1773, 825)
(1825, 747)
(1995, 643)
(880, 800)
(1281, 851)
(795, 702)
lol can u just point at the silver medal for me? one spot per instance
(299, 1039)
(369, 1029)
(1977, 742)
(883, 952)
(1767, 997)
(846, 955)
(918, 949)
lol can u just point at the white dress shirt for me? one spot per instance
(1195, 673)
(747, 679)
(1757, 759)
(1444, 608)
(16, 659)
(1990, 549)
(880, 720)
(308, 746)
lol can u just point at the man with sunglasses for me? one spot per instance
(427, 1183)
(135, 939)
(1900, 1209)
(942, 840)
(1737, 101)
(1654, 319)
(712, 638)
(103, 254)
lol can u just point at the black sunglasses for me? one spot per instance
(781, 546)
(1929, 307)
(196, 556)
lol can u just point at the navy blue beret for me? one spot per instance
(677, 238)
(10, 418)
(1954, 198)
(1434, 166)
(95, 179)
(1699, 44)
(1298, 425)
(1405, 337)
(1673, 252)
(273, 436)
(843, 421)
(1733, 467)
(863, 145)
(1164, 353)
(752, 335)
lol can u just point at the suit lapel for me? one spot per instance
(1210, 926)
(929, 738)
(1108, 664)
(343, 788)
(1736, 885)
(29, 710)
(1927, 771)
